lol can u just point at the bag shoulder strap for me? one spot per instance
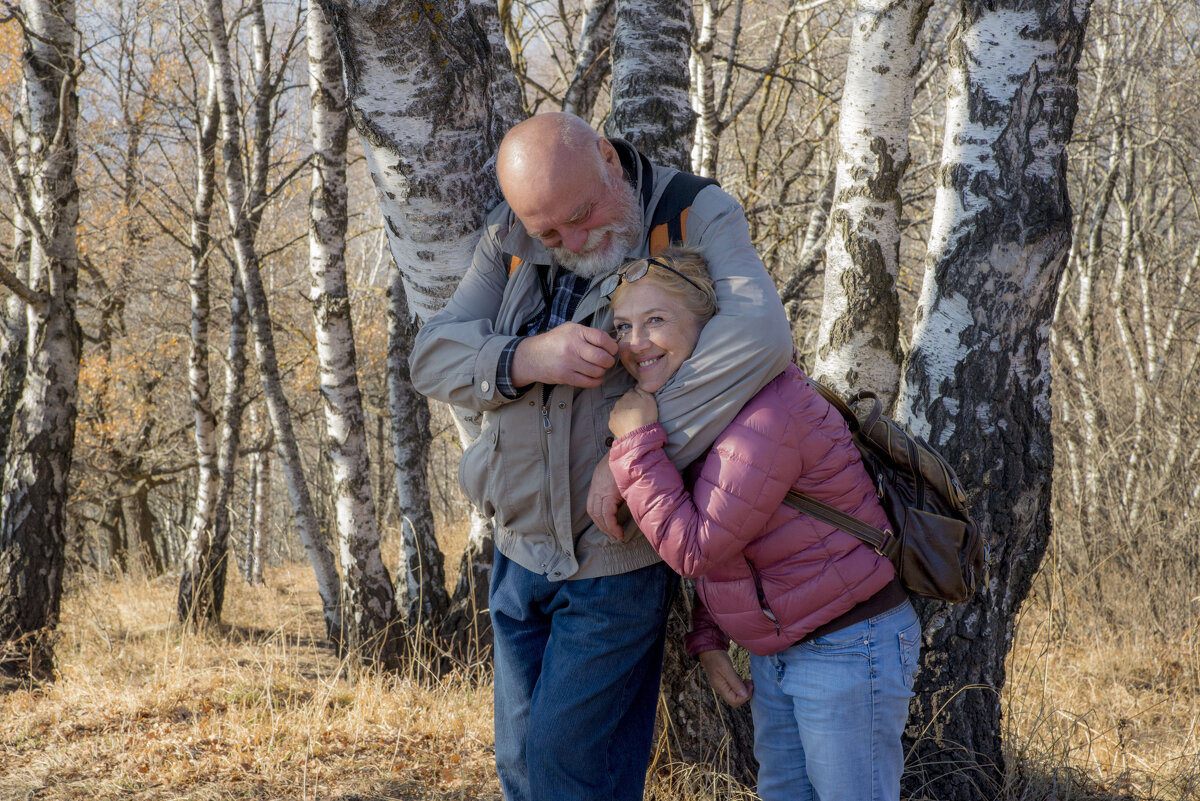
(879, 540)
(837, 402)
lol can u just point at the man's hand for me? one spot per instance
(570, 353)
(635, 409)
(603, 501)
(724, 678)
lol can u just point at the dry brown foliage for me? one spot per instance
(263, 709)
(1097, 711)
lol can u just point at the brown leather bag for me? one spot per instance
(934, 545)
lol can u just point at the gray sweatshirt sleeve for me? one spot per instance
(741, 349)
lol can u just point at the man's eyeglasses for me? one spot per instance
(636, 271)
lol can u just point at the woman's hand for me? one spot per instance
(635, 409)
(725, 679)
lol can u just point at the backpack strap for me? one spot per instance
(514, 263)
(668, 226)
(879, 540)
(837, 402)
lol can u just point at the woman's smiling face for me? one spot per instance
(655, 333)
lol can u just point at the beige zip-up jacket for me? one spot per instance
(530, 468)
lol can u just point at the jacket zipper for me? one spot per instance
(547, 429)
(547, 426)
(762, 596)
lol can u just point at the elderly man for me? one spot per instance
(578, 601)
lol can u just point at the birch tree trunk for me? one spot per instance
(706, 144)
(431, 94)
(977, 378)
(328, 582)
(194, 602)
(421, 583)
(591, 66)
(260, 518)
(14, 328)
(232, 409)
(651, 109)
(858, 338)
(651, 106)
(33, 494)
(368, 602)
(14, 331)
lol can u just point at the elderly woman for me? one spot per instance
(834, 641)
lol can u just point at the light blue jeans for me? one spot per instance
(828, 713)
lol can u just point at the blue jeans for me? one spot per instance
(828, 713)
(577, 671)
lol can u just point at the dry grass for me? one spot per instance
(1101, 710)
(259, 710)
(264, 710)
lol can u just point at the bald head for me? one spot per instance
(544, 146)
(566, 185)
(553, 159)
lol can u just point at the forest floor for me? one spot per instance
(263, 709)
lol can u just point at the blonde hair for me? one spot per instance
(700, 299)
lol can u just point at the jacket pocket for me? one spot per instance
(479, 464)
(763, 604)
(616, 384)
(910, 652)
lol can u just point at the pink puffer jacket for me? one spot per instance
(752, 556)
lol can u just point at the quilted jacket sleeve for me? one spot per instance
(705, 635)
(743, 481)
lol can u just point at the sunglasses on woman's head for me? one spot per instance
(636, 271)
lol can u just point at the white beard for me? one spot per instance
(606, 248)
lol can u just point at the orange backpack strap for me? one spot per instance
(668, 226)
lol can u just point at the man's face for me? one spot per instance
(607, 244)
(589, 217)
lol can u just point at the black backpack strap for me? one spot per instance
(514, 263)
(668, 226)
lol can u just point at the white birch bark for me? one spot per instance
(14, 328)
(33, 492)
(858, 338)
(421, 579)
(258, 502)
(977, 378)
(260, 521)
(706, 142)
(260, 323)
(368, 603)
(431, 94)
(651, 106)
(591, 64)
(1131, 346)
(195, 592)
(232, 409)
